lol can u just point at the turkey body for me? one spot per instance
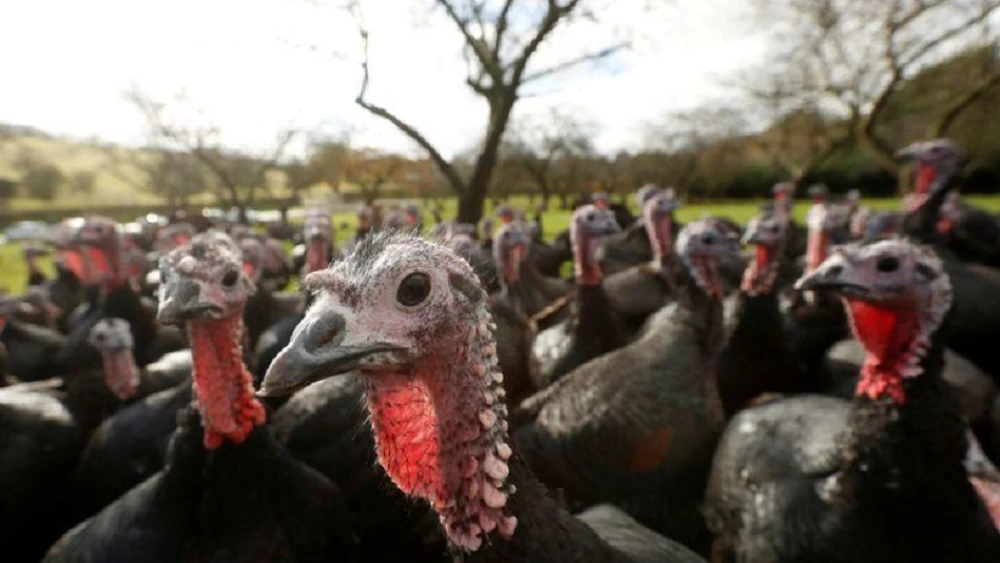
(39, 446)
(241, 502)
(326, 426)
(784, 486)
(636, 427)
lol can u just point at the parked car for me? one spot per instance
(27, 230)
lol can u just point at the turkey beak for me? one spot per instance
(752, 236)
(317, 350)
(909, 153)
(183, 300)
(835, 274)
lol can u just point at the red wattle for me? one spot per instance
(885, 333)
(316, 255)
(759, 266)
(512, 264)
(816, 249)
(586, 269)
(665, 236)
(222, 385)
(926, 174)
(120, 372)
(407, 435)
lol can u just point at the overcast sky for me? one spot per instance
(255, 66)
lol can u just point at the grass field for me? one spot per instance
(13, 275)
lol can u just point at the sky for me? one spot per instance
(253, 68)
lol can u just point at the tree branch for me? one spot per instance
(565, 65)
(476, 45)
(449, 171)
(501, 28)
(957, 107)
(552, 16)
(951, 33)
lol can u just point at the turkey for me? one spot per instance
(637, 292)
(592, 329)
(319, 248)
(458, 236)
(39, 446)
(31, 254)
(879, 478)
(632, 246)
(638, 426)
(756, 359)
(265, 308)
(326, 426)
(95, 254)
(228, 491)
(31, 349)
(45, 427)
(970, 233)
(522, 287)
(815, 320)
(410, 317)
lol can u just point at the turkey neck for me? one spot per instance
(533, 291)
(440, 430)
(223, 387)
(702, 313)
(546, 533)
(921, 222)
(756, 359)
(905, 434)
(595, 322)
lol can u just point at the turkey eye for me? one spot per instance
(230, 278)
(591, 217)
(413, 290)
(708, 240)
(887, 264)
(774, 228)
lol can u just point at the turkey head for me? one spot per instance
(204, 287)
(897, 296)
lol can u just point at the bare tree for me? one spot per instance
(538, 147)
(687, 143)
(172, 176)
(501, 39)
(852, 56)
(371, 171)
(800, 135)
(237, 177)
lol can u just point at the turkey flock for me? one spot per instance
(763, 393)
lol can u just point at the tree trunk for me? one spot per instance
(470, 203)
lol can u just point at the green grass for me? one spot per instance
(13, 275)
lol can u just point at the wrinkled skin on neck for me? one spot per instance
(759, 277)
(510, 249)
(586, 268)
(318, 233)
(587, 225)
(441, 434)
(121, 375)
(661, 237)
(818, 241)
(924, 179)
(512, 256)
(222, 385)
(317, 253)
